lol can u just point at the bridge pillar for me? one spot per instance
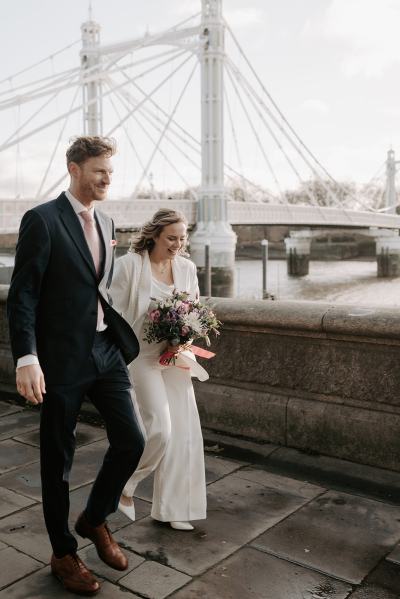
(390, 191)
(388, 255)
(298, 248)
(91, 69)
(212, 215)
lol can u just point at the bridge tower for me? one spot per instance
(212, 218)
(90, 64)
(390, 192)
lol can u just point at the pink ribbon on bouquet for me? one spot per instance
(167, 356)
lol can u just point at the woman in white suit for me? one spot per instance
(164, 395)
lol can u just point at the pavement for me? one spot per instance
(281, 525)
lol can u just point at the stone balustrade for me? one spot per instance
(316, 377)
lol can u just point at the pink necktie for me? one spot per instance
(93, 241)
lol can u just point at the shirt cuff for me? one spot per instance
(27, 360)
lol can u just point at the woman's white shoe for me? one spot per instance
(128, 510)
(181, 525)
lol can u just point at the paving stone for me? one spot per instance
(344, 475)
(3, 546)
(24, 480)
(217, 467)
(87, 462)
(6, 409)
(270, 480)
(386, 575)
(42, 585)
(154, 580)
(238, 511)
(78, 500)
(373, 592)
(26, 531)
(14, 454)
(15, 565)
(394, 556)
(18, 423)
(251, 574)
(144, 490)
(237, 448)
(12, 502)
(339, 534)
(85, 434)
(91, 559)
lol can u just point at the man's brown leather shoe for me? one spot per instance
(73, 574)
(107, 549)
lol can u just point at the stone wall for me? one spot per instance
(313, 376)
(317, 377)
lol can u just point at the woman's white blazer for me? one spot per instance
(131, 285)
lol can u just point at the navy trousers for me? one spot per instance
(105, 381)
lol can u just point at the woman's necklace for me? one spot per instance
(163, 269)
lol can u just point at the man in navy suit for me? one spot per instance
(68, 343)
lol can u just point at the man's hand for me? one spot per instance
(30, 383)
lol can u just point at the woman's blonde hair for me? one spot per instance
(144, 240)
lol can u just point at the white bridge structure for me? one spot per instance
(115, 78)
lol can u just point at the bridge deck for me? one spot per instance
(128, 213)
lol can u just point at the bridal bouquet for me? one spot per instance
(180, 321)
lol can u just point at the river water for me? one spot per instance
(341, 282)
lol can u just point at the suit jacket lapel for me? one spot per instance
(179, 275)
(75, 230)
(105, 238)
(144, 289)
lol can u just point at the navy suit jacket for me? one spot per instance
(54, 291)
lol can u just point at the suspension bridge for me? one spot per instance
(136, 90)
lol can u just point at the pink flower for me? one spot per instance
(154, 315)
(113, 242)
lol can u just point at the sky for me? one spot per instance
(332, 67)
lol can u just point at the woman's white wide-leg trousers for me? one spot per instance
(174, 447)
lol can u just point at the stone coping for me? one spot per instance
(311, 316)
(318, 317)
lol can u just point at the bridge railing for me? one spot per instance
(126, 213)
(129, 213)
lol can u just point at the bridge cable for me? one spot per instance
(254, 130)
(149, 115)
(61, 75)
(274, 104)
(238, 155)
(40, 62)
(330, 193)
(173, 122)
(231, 75)
(38, 196)
(118, 94)
(250, 93)
(164, 155)
(89, 103)
(127, 98)
(134, 195)
(35, 114)
(153, 91)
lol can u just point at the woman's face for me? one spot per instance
(171, 239)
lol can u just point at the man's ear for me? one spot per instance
(74, 169)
